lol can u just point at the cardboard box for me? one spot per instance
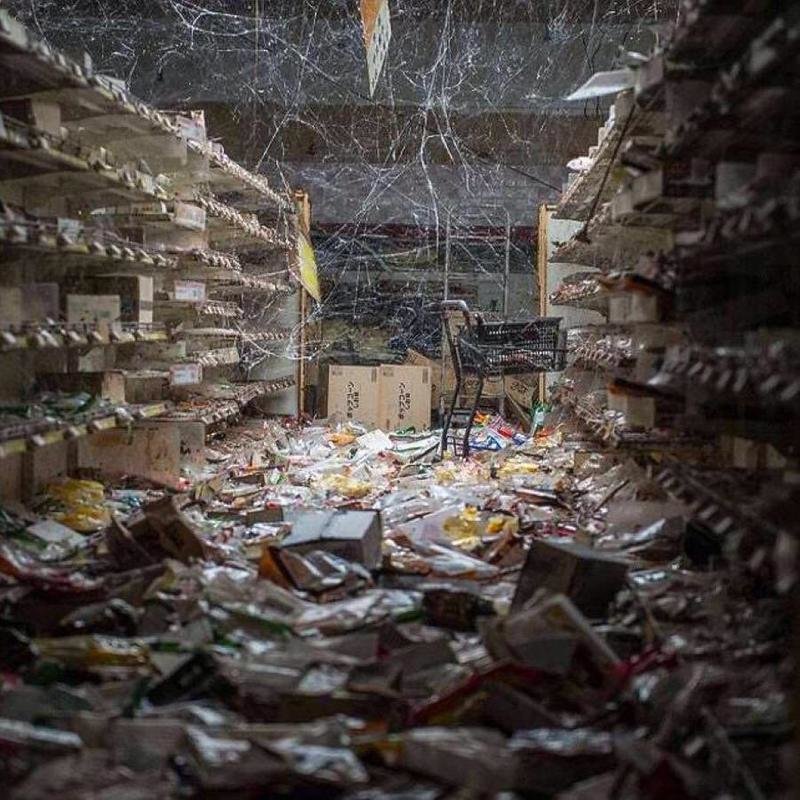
(619, 307)
(435, 366)
(145, 387)
(639, 412)
(352, 535)
(135, 294)
(590, 578)
(492, 387)
(40, 301)
(189, 216)
(354, 393)
(551, 636)
(633, 307)
(405, 394)
(522, 389)
(150, 450)
(10, 306)
(109, 385)
(93, 308)
(43, 115)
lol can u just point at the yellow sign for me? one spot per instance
(308, 267)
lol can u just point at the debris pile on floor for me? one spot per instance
(335, 612)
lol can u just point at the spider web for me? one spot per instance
(443, 169)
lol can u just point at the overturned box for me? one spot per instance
(353, 535)
(552, 636)
(589, 577)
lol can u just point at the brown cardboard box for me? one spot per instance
(145, 387)
(492, 387)
(639, 412)
(109, 385)
(135, 293)
(405, 394)
(633, 307)
(354, 393)
(10, 306)
(39, 301)
(93, 308)
(435, 366)
(40, 114)
(553, 636)
(589, 577)
(522, 389)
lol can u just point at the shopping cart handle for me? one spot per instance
(461, 306)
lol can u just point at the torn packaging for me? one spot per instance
(474, 757)
(552, 759)
(588, 577)
(324, 574)
(176, 533)
(554, 637)
(352, 535)
(125, 549)
(454, 608)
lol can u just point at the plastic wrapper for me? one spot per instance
(95, 651)
(83, 504)
(337, 766)
(473, 757)
(551, 759)
(346, 615)
(21, 566)
(22, 735)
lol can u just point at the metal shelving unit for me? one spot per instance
(104, 196)
(703, 219)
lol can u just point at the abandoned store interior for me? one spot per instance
(399, 399)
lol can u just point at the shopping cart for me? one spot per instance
(497, 349)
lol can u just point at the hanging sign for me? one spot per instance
(377, 35)
(308, 266)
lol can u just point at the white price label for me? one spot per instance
(191, 291)
(185, 374)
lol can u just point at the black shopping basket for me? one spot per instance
(496, 349)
